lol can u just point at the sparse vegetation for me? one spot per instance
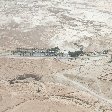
(75, 54)
(105, 52)
(25, 76)
(36, 52)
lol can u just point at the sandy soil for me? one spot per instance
(60, 86)
(43, 23)
(31, 84)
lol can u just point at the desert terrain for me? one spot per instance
(56, 85)
(53, 83)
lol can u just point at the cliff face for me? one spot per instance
(43, 23)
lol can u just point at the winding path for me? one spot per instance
(85, 88)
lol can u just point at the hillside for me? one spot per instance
(46, 23)
(39, 76)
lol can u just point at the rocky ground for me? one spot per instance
(43, 23)
(55, 85)
(42, 84)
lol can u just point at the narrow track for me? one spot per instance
(85, 88)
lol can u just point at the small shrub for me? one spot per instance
(75, 54)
